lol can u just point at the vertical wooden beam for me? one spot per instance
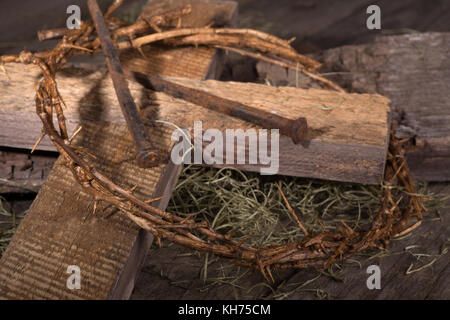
(61, 230)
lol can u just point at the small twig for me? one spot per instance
(296, 219)
(296, 67)
(52, 33)
(38, 141)
(408, 230)
(113, 7)
(77, 131)
(71, 46)
(230, 37)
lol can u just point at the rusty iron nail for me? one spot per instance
(295, 129)
(147, 155)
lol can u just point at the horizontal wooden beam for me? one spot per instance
(348, 133)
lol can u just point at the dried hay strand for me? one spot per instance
(320, 247)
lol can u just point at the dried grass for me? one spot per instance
(250, 206)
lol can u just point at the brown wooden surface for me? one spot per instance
(412, 70)
(347, 135)
(22, 172)
(189, 62)
(60, 228)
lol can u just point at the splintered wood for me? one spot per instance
(347, 138)
(61, 228)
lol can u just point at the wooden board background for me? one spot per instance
(413, 70)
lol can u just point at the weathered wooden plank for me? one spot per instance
(347, 138)
(413, 70)
(22, 172)
(440, 289)
(60, 228)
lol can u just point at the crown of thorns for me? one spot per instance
(320, 250)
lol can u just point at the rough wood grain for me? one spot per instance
(60, 228)
(347, 136)
(21, 172)
(189, 62)
(412, 70)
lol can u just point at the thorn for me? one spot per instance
(261, 269)
(139, 49)
(350, 230)
(132, 189)
(97, 203)
(60, 98)
(87, 153)
(153, 25)
(131, 38)
(95, 207)
(322, 226)
(153, 200)
(72, 46)
(270, 274)
(75, 134)
(38, 141)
